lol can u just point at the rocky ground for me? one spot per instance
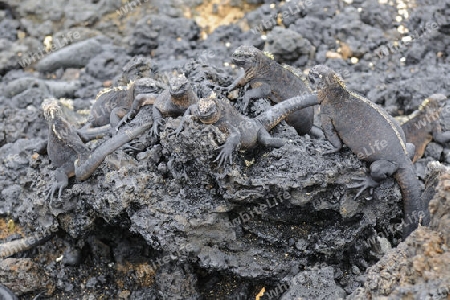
(167, 222)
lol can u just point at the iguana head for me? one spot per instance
(51, 109)
(178, 86)
(433, 102)
(137, 67)
(321, 77)
(208, 112)
(245, 56)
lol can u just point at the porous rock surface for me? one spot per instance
(167, 222)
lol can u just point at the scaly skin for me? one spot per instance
(64, 146)
(245, 133)
(172, 102)
(423, 126)
(269, 79)
(112, 104)
(371, 134)
(84, 169)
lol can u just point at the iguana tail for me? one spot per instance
(270, 118)
(16, 246)
(413, 206)
(84, 169)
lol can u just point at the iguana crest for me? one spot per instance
(113, 89)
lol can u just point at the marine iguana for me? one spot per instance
(244, 133)
(71, 156)
(269, 79)
(172, 102)
(423, 125)
(112, 104)
(64, 146)
(370, 133)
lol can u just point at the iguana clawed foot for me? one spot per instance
(177, 131)
(62, 180)
(365, 182)
(155, 128)
(124, 121)
(225, 155)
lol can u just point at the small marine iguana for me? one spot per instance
(64, 146)
(370, 133)
(112, 104)
(269, 79)
(172, 102)
(70, 155)
(244, 133)
(423, 125)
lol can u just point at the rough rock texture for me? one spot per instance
(166, 222)
(417, 268)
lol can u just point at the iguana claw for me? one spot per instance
(365, 182)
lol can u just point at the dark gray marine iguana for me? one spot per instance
(373, 135)
(172, 102)
(269, 79)
(64, 146)
(112, 104)
(71, 156)
(244, 132)
(423, 126)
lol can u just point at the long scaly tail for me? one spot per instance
(13, 247)
(413, 206)
(85, 169)
(270, 118)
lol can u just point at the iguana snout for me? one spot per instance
(244, 56)
(178, 86)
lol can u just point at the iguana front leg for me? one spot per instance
(331, 134)
(265, 139)
(117, 114)
(261, 91)
(239, 81)
(231, 144)
(157, 121)
(186, 114)
(61, 180)
(139, 101)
